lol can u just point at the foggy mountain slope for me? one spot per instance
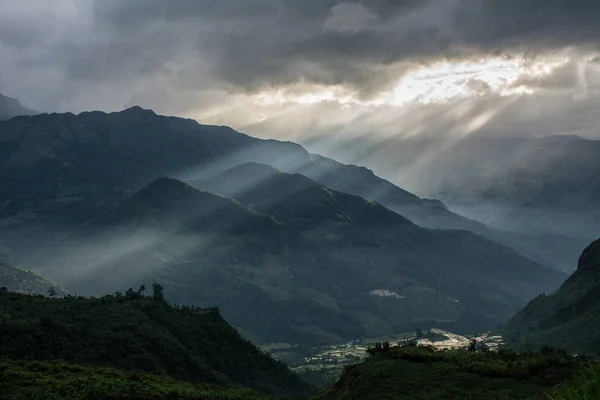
(300, 277)
(484, 176)
(61, 169)
(65, 164)
(10, 108)
(65, 173)
(541, 193)
(207, 250)
(567, 319)
(554, 189)
(452, 263)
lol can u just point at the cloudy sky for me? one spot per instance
(298, 68)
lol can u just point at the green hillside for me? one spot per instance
(142, 334)
(568, 318)
(57, 380)
(413, 373)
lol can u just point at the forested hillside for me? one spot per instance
(139, 333)
(567, 319)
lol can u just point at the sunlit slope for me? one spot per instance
(209, 250)
(428, 272)
(22, 281)
(59, 170)
(327, 267)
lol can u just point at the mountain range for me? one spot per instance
(535, 194)
(341, 259)
(302, 262)
(292, 247)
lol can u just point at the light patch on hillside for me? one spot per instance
(385, 293)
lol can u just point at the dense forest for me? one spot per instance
(140, 333)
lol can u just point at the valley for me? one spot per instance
(323, 365)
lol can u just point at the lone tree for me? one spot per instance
(473, 345)
(419, 333)
(51, 292)
(158, 292)
(380, 348)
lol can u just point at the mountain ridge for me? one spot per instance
(566, 318)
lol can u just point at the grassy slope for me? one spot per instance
(587, 387)
(140, 334)
(419, 373)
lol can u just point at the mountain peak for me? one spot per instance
(590, 258)
(165, 186)
(137, 112)
(255, 170)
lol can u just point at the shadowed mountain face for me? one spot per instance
(62, 169)
(74, 157)
(10, 107)
(568, 318)
(59, 170)
(402, 258)
(309, 264)
(207, 250)
(543, 191)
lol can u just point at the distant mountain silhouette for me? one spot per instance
(545, 191)
(10, 107)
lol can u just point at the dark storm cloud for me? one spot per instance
(254, 40)
(545, 23)
(253, 43)
(134, 47)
